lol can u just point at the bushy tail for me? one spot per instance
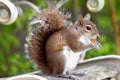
(42, 26)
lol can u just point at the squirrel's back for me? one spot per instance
(41, 27)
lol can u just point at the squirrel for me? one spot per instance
(57, 48)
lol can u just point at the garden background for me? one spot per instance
(13, 59)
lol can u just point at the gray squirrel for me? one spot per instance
(57, 48)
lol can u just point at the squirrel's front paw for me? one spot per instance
(97, 45)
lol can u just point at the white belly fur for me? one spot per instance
(71, 58)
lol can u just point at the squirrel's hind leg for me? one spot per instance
(56, 63)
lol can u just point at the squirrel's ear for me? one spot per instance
(80, 20)
(87, 16)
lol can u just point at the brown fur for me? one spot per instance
(45, 47)
(54, 56)
(36, 46)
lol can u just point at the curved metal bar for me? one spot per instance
(61, 3)
(33, 6)
(91, 69)
(95, 5)
(110, 60)
(8, 12)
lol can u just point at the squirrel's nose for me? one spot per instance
(98, 35)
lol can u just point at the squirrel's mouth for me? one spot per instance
(94, 38)
(94, 41)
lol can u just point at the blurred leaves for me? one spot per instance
(12, 59)
(19, 64)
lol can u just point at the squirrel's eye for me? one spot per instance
(88, 27)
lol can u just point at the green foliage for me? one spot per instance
(12, 58)
(12, 61)
(19, 64)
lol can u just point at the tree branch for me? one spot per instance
(115, 25)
